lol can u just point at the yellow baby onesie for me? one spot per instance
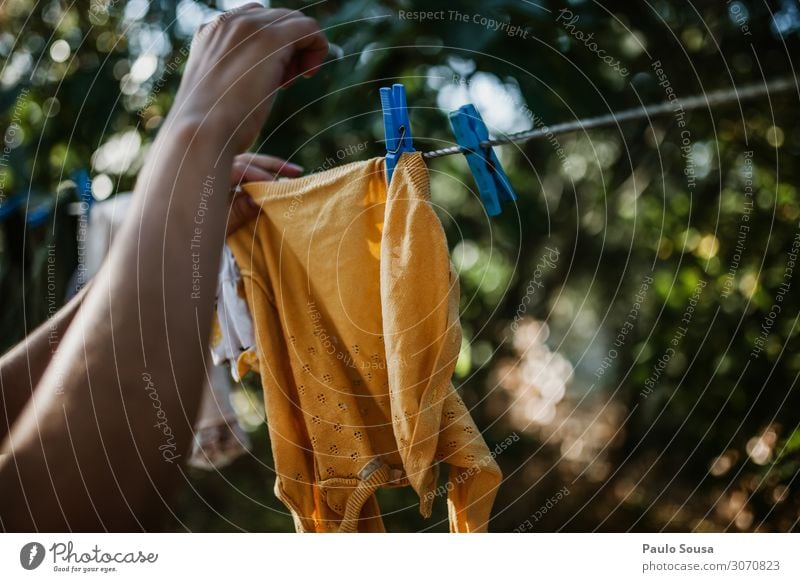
(355, 307)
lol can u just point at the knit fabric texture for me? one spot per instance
(355, 308)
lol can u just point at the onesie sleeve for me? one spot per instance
(420, 295)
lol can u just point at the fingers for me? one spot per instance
(237, 63)
(311, 47)
(296, 31)
(271, 164)
(243, 209)
(248, 6)
(241, 173)
(301, 32)
(251, 167)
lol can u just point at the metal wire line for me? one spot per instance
(712, 99)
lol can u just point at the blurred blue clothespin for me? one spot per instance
(83, 184)
(396, 126)
(10, 206)
(38, 215)
(493, 185)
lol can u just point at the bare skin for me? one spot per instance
(87, 451)
(22, 366)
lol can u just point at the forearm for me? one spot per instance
(108, 430)
(22, 366)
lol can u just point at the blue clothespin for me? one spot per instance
(38, 215)
(396, 126)
(10, 206)
(83, 184)
(493, 185)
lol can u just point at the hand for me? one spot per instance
(254, 168)
(238, 62)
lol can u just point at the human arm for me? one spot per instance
(22, 366)
(99, 445)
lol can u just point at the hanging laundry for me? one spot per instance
(105, 220)
(355, 306)
(219, 437)
(232, 339)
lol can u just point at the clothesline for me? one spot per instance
(707, 100)
(712, 99)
